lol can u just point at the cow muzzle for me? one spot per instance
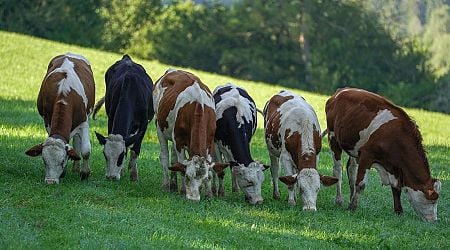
(113, 177)
(254, 200)
(309, 208)
(51, 181)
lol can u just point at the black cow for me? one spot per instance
(236, 124)
(129, 106)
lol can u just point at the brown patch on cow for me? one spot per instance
(195, 128)
(64, 113)
(272, 119)
(175, 82)
(293, 144)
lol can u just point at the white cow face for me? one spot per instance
(309, 182)
(250, 179)
(425, 208)
(114, 151)
(55, 153)
(197, 172)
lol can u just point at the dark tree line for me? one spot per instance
(383, 46)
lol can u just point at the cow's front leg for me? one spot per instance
(364, 164)
(85, 150)
(274, 168)
(285, 161)
(352, 168)
(396, 192)
(133, 166)
(336, 153)
(181, 157)
(163, 157)
(77, 147)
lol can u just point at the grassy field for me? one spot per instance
(104, 214)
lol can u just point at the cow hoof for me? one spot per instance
(276, 195)
(134, 177)
(165, 186)
(214, 191)
(291, 202)
(339, 201)
(75, 168)
(352, 207)
(221, 194)
(85, 175)
(235, 189)
(173, 187)
(399, 212)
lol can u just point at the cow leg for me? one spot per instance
(207, 186)
(274, 168)
(285, 161)
(163, 158)
(364, 164)
(396, 192)
(85, 150)
(132, 165)
(173, 174)
(181, 157)
(336, 153)
(77, 147)
(352, 168)
(221, 190)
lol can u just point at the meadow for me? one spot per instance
(118, 215)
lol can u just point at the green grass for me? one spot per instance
(103, 214)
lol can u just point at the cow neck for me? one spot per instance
(199, 131)
(122, 120)
(61, 124)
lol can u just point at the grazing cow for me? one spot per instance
(376, 133)
(185, 115)
(65, 102)
(129, 106)
(293, 138)
(236, 124)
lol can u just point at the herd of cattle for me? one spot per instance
(212, 131)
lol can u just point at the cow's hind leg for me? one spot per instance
(352, 168)
(173, 174)
(274, 168)
(396, 192)
(336, 153)
(85, 150)
(163, 157)
(364, 164)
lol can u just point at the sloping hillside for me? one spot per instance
(103, 214)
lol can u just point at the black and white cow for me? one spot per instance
(236, 124)
(129, 106)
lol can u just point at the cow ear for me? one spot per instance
(265, 167)
(437, 185)
(73, 154)
(101, 139)
(180, 167)
(131, 140)
(431, 194)
(328, 180)
(233, 164)
(288, 180)
(219, 167)
(35, 150)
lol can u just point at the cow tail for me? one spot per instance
(97, 107)
(324, 133)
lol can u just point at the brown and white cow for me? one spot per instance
(376, 133)
(293, 138)
(65, 102)
(185, 115)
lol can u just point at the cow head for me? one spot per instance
(115, 150)
(308, 181)
(250, 179)
(55, 153)
(197, 172)
(425, 203)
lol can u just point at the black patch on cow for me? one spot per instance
(120, 159)
(228, 131)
